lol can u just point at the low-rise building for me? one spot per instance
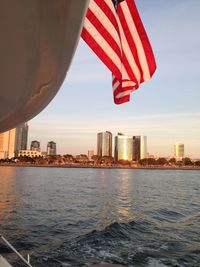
(29, 153)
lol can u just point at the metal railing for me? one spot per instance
(27, 262)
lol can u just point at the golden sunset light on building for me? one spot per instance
(12, 141)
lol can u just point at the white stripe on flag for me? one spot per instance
(115, 85)
(127, 92)
(103, 18)
(137, 41)
(127, 51)
(128, 83)
(102, 43)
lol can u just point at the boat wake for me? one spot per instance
(136, 243)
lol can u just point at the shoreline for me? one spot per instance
(187, 168)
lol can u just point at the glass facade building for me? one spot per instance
(139, 147)
(104, 144)
(179, 150)
(51, 148)
(35, 145)
(143, 147)
(136, 148)
(123, 147)
(22, 136)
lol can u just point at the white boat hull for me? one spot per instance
(38, 40)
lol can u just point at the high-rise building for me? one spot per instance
(179, 150)
(25, 136)
(136, 148)
(22, 136)
(90, 154)
(123, 147)
(7, 144)
(35, 145)
(51, 148)
(143, 147)
(12, 141)
(104, 144)
(139, 147)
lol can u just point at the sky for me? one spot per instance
(166, 109)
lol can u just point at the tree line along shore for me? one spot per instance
(82, 161)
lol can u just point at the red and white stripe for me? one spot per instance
(118, 37)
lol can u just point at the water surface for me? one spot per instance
(72, 217)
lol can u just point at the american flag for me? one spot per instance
(114, 31)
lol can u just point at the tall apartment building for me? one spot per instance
(14, 140)
(136, 148)
(104, 144)
(51, 148)
(35, 145)
(22, 136)
(123, 147)
(143, 147)
(139, 147)
(179, 150)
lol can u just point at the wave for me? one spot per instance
(136, 243)
(164, 214)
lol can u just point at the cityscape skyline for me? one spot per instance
(14, 143)
(166, 109)
(139, 144)
(93, 146)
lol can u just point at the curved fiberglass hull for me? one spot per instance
(38, 40)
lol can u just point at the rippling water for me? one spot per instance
(72, 217)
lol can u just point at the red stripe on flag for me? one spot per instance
(100, 53)
(143, 36)
(131, 42)
(122, 99)
(128, 68)
(103, 31)
(108, 12)
(134, 60)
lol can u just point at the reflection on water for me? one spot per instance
(8, 198)
(124, 197)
